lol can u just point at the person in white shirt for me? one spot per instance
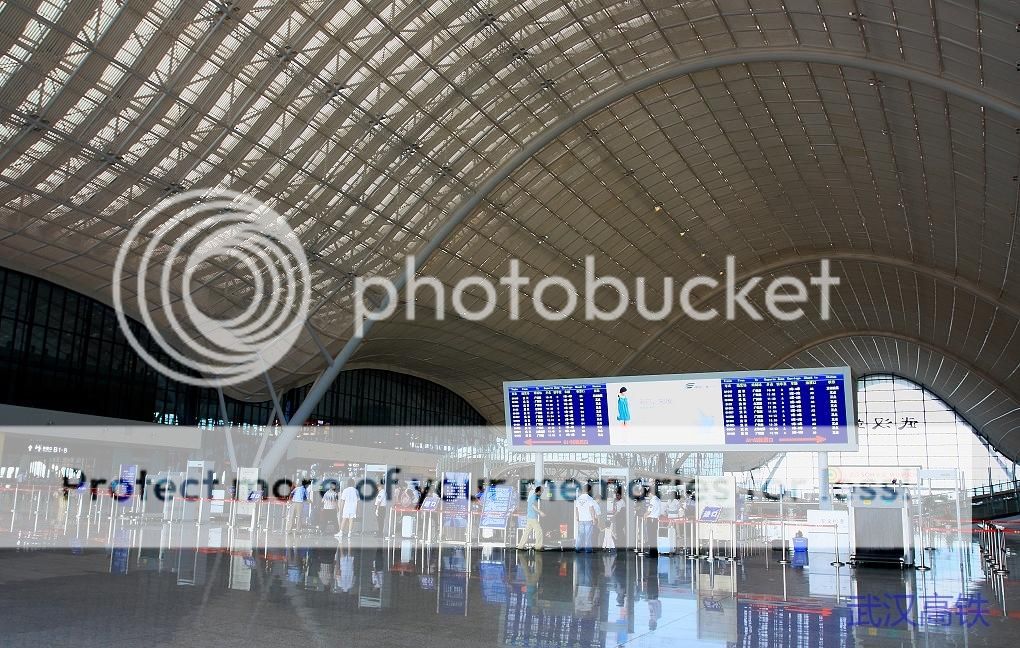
(674, 507)
(348, 510)
(586, 511)
(343, 575)
(651, 522)
(381, 510)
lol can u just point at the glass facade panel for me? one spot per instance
(900, 423)
(63, 351)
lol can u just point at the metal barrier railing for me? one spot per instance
(992, 540)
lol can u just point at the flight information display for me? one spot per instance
(803, 409)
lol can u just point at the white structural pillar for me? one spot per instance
(539, 468)
(824, 496)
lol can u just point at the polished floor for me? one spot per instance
(139, 594)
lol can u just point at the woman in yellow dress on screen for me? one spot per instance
(622, 406)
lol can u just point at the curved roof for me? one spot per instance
(661, 136)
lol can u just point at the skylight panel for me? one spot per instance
(95, 27)
(22, 49)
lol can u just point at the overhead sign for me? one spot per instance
(873, 474)
(803, 409)
(939, 474)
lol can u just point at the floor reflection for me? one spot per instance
(245, 592)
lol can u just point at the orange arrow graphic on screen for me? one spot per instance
(815, 439)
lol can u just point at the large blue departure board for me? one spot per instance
(803, 409)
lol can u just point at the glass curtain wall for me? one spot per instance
(64, 351)
(901, 423)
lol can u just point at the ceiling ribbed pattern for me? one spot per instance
(367, 123)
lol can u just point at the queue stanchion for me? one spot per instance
(783, 560)
(920, 527)
(697, 555)
(733, 557)
(391, 512)
(999, 540)
(710, 556)
(929, 546)
(920, 522)
(100, 515)
(984, 540)
(696, 539)
(835, 547)
(992, 551)
(38, 499)
(692, 547)
(270, 509)
(922, 567)
(14, 507)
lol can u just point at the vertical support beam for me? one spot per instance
(539, 468)
(765, 485)
(231, 453)
(283, 420)
(318, 343)
(265, 435)
(824, 496)
(680, 461)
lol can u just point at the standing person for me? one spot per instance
(329, 501)
(310, 519)
(348, 509)
(406, 497)
(674, 507)
(651, 522)
(615, 511)
(416, 494)
(586, 511)
(295, 507)
(534, 520)
(381, 502)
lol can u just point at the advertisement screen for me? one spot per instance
(802, 409)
